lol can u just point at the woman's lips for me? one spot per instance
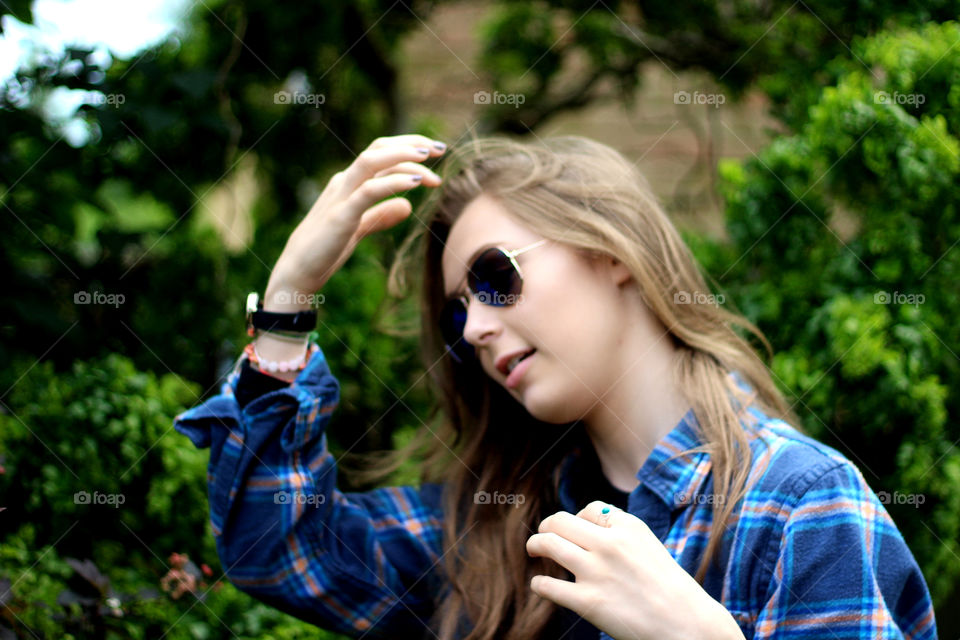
(514, 378)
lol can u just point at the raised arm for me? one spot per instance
(351, 562)
(347, 211)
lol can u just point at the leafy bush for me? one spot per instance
(93, 454)
(113, 497)
(46, 596)
(843, 250)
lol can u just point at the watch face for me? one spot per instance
(253, 302)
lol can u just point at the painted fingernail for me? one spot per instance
(423, 150)
(416, 178)
(605, 510)
(439, 145)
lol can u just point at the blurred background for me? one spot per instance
(155, 155)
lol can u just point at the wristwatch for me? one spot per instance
(257, 318)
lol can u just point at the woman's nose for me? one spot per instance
(483, 323)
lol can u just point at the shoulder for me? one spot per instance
(805, 495)
(798, 483)
(787, 463)
(828, 555)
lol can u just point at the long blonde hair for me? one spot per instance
(588, 196)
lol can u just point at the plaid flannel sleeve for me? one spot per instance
(356, 563)
(842, 569)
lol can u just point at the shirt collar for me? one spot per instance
(672, 477)
(675, 482)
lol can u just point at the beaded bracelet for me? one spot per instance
(270, 366)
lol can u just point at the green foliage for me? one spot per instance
(842, 251)
(563, 55)
(100, 475)
(124, 217)
(50, 597)
(93, 451)
(120, 215)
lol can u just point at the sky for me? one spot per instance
(117, 28)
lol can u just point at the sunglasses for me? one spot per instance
(494, 279)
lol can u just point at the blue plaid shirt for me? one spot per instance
(813, 552)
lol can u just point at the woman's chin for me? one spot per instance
(551, 410)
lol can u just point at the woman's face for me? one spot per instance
(571, 310)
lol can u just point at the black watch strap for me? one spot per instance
(300, 322)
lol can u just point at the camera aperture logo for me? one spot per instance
(485, 497)
(912, 499)
(299, 97)
(99, 297)
(110, 499)
(114, 100)
(697, 97)
(299, 298)
(697, 297)
(897, 297)
(699, 499)
(299, 497)
(485, 97)
(497, 299)
(912, 100)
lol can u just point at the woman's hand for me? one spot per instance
(627, 583)
(348, 210)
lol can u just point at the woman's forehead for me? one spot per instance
(482, 224)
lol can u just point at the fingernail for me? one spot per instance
(416, 178)
(439, 145)
(423, 150)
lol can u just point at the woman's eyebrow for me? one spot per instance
(473, 256)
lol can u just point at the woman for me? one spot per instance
(615, 461)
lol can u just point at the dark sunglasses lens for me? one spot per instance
(494, 282)
(493, 279)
